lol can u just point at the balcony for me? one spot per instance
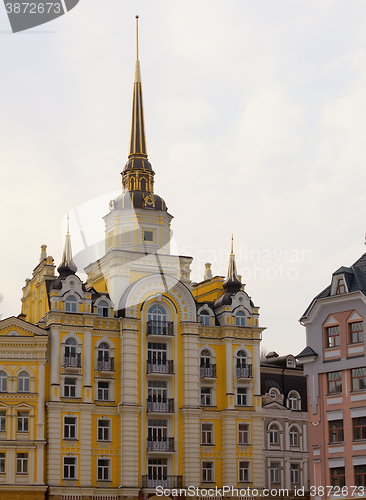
(166, 367)
(244, 371)
(164, 481)
(208, 371)
(162, 444)
(162, 406)
(73, 361)
(106, 365)
(155, 327)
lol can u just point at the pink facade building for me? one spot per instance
(334, 362)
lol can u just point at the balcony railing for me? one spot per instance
(162, 406)
(160, 367)
(208, 371)
(155, 327)
(162, 444)
(165, 481)
(73, 361)
(244, 371)
(106, 365)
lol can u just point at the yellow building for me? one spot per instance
(150, 381)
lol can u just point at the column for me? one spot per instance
(54, 430)
(40, 459)
(86, 445)
(229, 375)
(87, 364)
(40, 412)
(228, 433)
(257, 447)
(55, 364)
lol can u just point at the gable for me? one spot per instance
(16, 327)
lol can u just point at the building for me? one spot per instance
(150, 380)
(285, 434)
(334, 362)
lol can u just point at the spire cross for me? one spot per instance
(68, 225)
(137, 36)
(232, 243)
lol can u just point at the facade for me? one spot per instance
(334, 362)
(285, 443)
(144, 379)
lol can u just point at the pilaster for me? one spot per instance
(86, 445)
(257, 447)
(53, 444)
(191, 446)
(191, 380)
(130, 446)
(228, 429)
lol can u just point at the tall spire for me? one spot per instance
(138, 140)
(232, 282)
(67, 265)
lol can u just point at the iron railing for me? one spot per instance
(160, 406)
(106, 365)
(162, 444)
(73, 361)
(244, 371)
(163, 480)
(153, 366)
(208, 371)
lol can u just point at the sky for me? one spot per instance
(255, 118)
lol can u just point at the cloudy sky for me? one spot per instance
(255, 116)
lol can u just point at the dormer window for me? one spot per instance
(240, 319)
(70, 304)
(333, 336)
(204, 318)
(341, 287)
(103, 309)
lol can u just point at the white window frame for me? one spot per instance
(3, 381)
(71, 303)
(207, 432)
(103, 469)
(273, 433)
(240, 318)
(240, 396)
(294, 431)
(69, 426)
(241, 470)
(273, 471)
(69, 466)
(24, 419)
(69, 385)
(243, 433)
(3, 463)
(24, 382)
(23, 462)
(206, 396)
(103, 428)
(294, 397)
(296, 472)
(2, 420)
(205, 471)
(105, 391)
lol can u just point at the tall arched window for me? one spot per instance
(70, 304)
(240, 319)
(204, 318)
(293, 401)
(294, 436)
(241, 359)
(157, 313)
(103, 309)
(205, 358)
(157, 321)
(103, 351)
(23, 382)
(273, 434)
(70, 348)
(3, 382)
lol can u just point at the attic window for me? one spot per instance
(148, 236)
(341, 287)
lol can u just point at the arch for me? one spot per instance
(157, 284)
(293, 400)
(156, 312)
(26, 369)
(105, 340)
(246, 350)
(23, 382)
(3, 381)
(294, 435)
(208, 348)
(73, 336)
(274, 433)
(275, 422)
(13, 333)
(103, 351)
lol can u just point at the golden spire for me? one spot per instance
(67, 265)
(232, 243)
(138, 141)
(232, 280)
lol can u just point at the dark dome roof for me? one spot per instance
(139, 199)
(138, 163)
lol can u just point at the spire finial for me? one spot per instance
(232, 243)
(67, 265)
(68, 223)
(137, 37)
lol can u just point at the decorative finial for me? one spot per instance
(68, 223)
(232, 243)
(137, 37)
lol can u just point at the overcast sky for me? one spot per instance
(255, 115)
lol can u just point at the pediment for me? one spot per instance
(16, 327)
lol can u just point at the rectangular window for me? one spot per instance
(156, 353)
(103, 391)
(23, 421)
(70, 428)
(148, 236)
(2, 463)
(241, 396)
(294, 437)
(336, 431)
(356, 332)
(243, 471)
(208, 475)
(103, 430)
(333, 336)
(70, 388)
(243, 434)
(207, 434)
(341, 287)
(294, 473)
(157, 391)
(22, 463)
(275, 472)
(103, 471)
(206, 396)
(358, 379)
(359, 428)
(157, 430)
(69, 468)
(334, 382)
(2, 421)
(338, 477)
(360, 475)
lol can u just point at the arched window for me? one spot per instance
(240, 319)
(156, 313)
(205, 358)
(103, 309)
(23, 382)
(293, 401)
(70, 304)
(3, 382)
(204, 318)
(294, 436)
(241, 359)
(70, 348)
(273, 434)
(103, 351)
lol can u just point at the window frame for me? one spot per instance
(357, 332)
(207, 471)
(361, 426)
(3, 420)
(274, 430)
(241, 396)
(360, 474)
(22, 461)
(334, 381)
(3, 381)
(103, 393)
(104, 430)
(336, 475)
(23, 421)
(341, 287)
(273, 471)
(204, 318)
(23, 382)
(242, 469)
(103, 468)
(207, 435)
(2, 463)
(70, 426)
(294, 473)
(206, 398)
(294, 431)
(71, 304)
(240, 318)
(69, 387)
(360, 378)
(333, 336)
(243, 432)
(69, 467)
(103, 309)
(336, 431)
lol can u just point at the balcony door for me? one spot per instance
(156, 353)
(157, 390)
(157, 430)
(157, 468)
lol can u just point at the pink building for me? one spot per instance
(334, 362)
